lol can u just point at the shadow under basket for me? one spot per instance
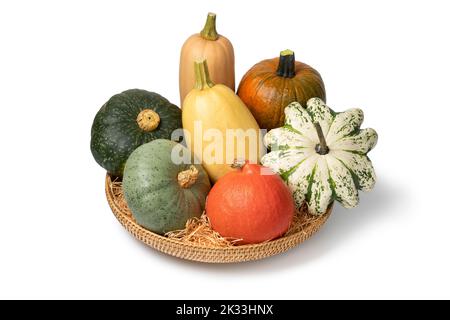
(211, 254)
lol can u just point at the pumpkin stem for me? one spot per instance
(187, 177)
(148, 120)
(209, 30)
(202, 79)
(322, 147)
(286, 64)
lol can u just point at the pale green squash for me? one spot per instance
(163, 195)
(318, 172)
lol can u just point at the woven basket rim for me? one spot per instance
(159, 241)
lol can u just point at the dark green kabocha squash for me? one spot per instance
(128, 120)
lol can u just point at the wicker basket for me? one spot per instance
(209, 254)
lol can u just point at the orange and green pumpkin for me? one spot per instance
(270, 85)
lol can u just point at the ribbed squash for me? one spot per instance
(322, 155)
(212, 46)
(209, 110)
(270, 85)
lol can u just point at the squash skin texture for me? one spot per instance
(251, 206)
(152, 191)
(319, 179)
(115, 133)
(218, 108)
(266, 93)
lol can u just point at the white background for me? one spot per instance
(61, 60)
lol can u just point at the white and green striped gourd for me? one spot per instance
(322, 155)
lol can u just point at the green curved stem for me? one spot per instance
(209, 31)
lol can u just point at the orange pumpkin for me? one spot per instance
(251, 204)
(270, 85)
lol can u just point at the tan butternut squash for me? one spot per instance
(219, 128)
(210, 45)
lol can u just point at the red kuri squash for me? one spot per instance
(251, 204)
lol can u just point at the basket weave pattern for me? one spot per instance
(206, 253)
